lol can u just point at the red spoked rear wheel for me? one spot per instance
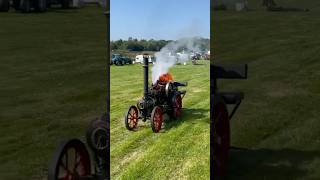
(71, 161)
(221, 139)
(177, 106)
(131, 118)
(156, 119)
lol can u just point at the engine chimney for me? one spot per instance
(146, 73)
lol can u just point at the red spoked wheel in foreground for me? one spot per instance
(221, 139)
(131, 118)
(177, 106)
(71, 161)
(156, 119)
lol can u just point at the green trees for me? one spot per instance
(138, 45)
(133, 44)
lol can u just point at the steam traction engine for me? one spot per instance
(73, 160)
(221, 116)
(163, 97)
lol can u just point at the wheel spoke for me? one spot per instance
(75, 157)
(74, 160)
(67, 165)
(70, 165)
(62, 164)
(78, 161)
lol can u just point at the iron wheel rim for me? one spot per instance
(157, 119)
(177, 106)
(132, 118)
(71, 161)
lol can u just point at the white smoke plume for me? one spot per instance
(167, 57)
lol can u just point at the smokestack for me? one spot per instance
(145, 67)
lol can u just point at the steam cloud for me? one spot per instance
(166, 57)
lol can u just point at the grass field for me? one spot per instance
(277, 126)
(52, 83)
(181, 150)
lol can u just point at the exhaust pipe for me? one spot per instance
(146, 73)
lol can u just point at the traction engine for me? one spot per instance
(163, 97)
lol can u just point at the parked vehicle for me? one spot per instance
(117, 59)
(195, 56)
(139, 59)
(127, 60)
(37, 5)
(206, 56)
(113, 56)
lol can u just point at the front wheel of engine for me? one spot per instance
(156, 119)
(71, 161)
(131, 118)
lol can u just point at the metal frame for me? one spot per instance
(228, 72)
(220, 129)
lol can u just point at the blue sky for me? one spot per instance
(159, 19)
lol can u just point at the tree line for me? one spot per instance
(133, 44)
